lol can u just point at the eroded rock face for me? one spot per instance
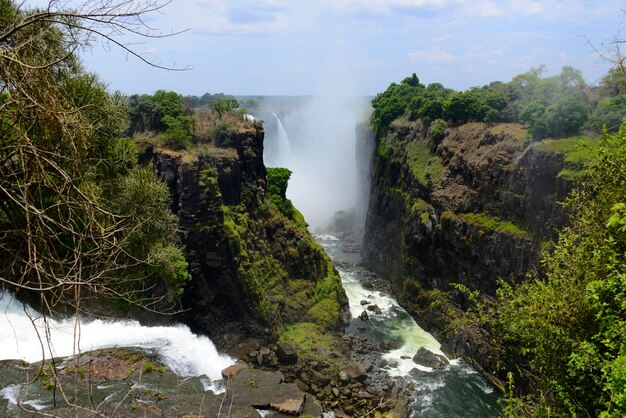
(420, 228)
(471, 208)
(241, 251)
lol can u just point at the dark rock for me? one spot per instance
(364, 316)
(286, 354)
(375, 308)
(364, 302)
(353, 372)
(427, 358)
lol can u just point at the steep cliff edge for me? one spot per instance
(254, 272)
(470, 206)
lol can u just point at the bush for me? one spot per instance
(277, 183)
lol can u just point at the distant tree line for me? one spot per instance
(556, 106)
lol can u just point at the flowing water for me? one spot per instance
(454, 391)
(22, 329)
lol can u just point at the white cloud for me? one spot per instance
(485, 9)
(434, 55)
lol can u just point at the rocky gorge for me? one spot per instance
(455, 213)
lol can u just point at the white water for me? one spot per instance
(454, 391)
(282, 152)
(183, 352)
(398, 323)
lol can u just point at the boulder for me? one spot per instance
(364, 316)
(375, 308)
(427, 358)
(288, 399)
(232, 371)
(353, 372)
(286, 354)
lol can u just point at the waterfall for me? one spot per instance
(176, 346)
(282, 154)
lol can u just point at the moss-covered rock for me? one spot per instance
(255, 272)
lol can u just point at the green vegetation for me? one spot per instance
(277, 183)
(557, 106)
(579, 152)
(483, 221)
(423, 164)
(76, 212)
(563, 334)
(148, 367)
(312, 341)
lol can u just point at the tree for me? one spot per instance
(61, 238)
(563, 334)
(221, 106)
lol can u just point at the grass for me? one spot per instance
(494, 224)
(422, 163)
(578, 151)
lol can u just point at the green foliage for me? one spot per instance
(423, 164)
(177, 135)
(224, 133)
(221, 106)
(277, 182)
(71, 204)
(610, 112)
(148, 367)
(437, 131)
(147, 112)
(565, 332)
(550, 106)
(579, 152)
(493, 223)
(310, 339)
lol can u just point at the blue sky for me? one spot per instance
(289, 47)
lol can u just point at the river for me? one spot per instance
(454, 391)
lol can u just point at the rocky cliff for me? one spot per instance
(254, 272)
(471, 205)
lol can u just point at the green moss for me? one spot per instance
(494, 224)
(423, 164)
(424, 217)
(382, 148)
(325, 312)
(311, 340)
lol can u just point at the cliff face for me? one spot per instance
(253, 271)
(471, 207)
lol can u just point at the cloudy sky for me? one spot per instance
(288, 47)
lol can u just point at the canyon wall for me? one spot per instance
(469, 205)
(254, 272)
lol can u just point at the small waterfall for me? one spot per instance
(282, 153)
(176, 346)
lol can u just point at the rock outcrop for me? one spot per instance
(471, 208)
(253, 270)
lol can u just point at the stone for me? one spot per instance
(352, 372)
(232, 371)
(375, 308)
(427, 358)
(364, 302)
(364, 316)
(286, 354)
(289, 399)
